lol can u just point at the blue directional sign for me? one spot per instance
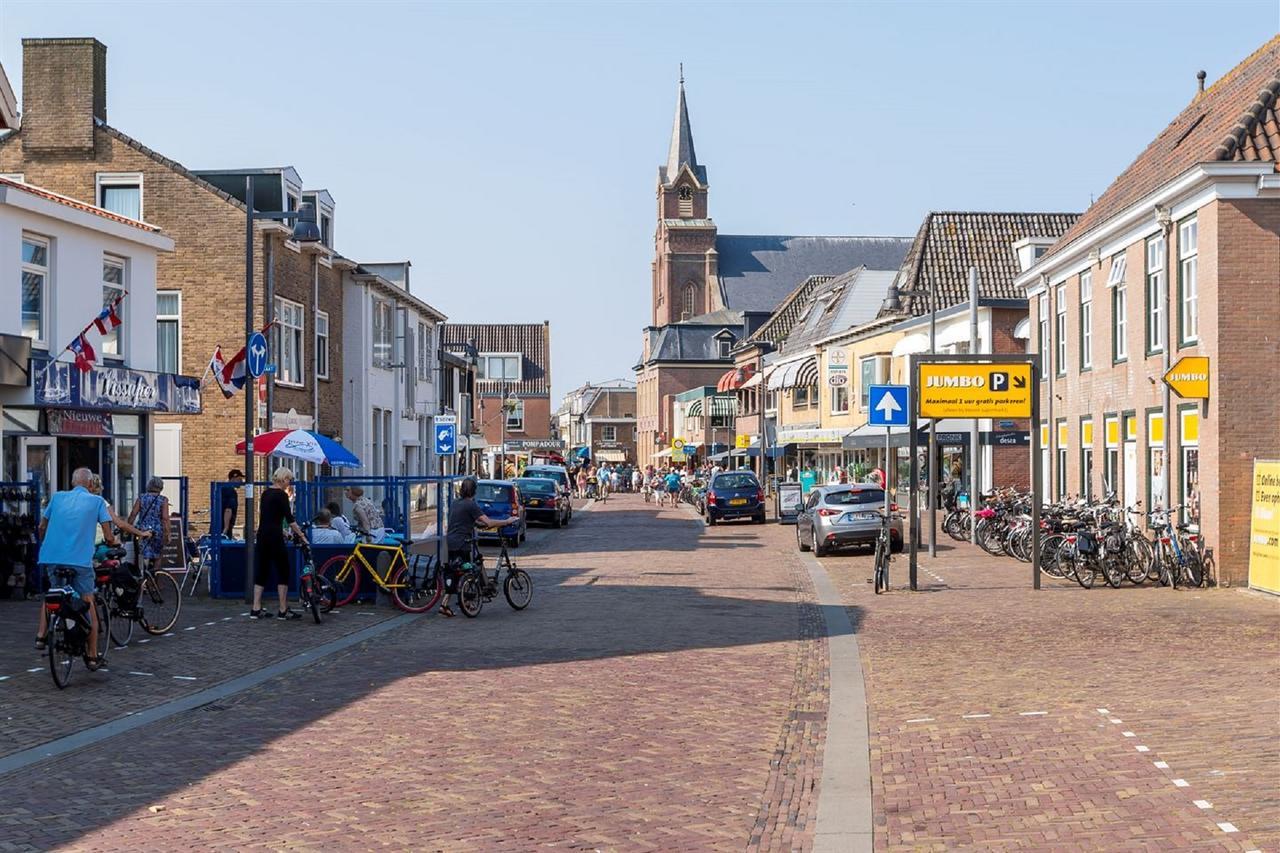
(255, 355)
(446, 439)
(888, 405)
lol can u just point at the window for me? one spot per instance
(515, 416)
(168, 331)
(35, 286)
(288, 331)
(1188, 284)
(424, 351)
(376, 442)
(322, 345)
(1155, 460)
(609, 433)
(1060, 327)
(14, 176)
(1086, 458)
(1189, 462)
(382, 334)
(326, 230)
(1111, 457)
(1155, 294)
(872, 370)
(500, 367)
(724, 344)
(1061, 479)
(1042, 329)
(112, 291)
(1086, 320)
(839, 399)
(804, 397)
(1119, 320)
(121, 193)
(690, 295)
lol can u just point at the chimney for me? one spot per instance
(892, 303)
(64, 88)
(1200, 75)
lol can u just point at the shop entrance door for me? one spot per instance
(1130, 473)
(124, 464)
(37, 456)
(76, 453)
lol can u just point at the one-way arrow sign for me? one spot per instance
(888, 405)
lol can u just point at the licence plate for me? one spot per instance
(738, 502)
(862, 516)
(534, 503)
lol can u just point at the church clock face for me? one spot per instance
(686, 193)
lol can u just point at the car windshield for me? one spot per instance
(854, 496)
(493, 492)
(535, 486)
(735, 481)
(555, 476)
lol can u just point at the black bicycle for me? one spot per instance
(477, 586)
(68, 626)
(150, 597)
(315, 592)
(882, 554)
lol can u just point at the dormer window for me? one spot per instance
(725, 345)
(686, 202)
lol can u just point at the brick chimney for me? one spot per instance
(64, 87)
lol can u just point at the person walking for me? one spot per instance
(151, 513)
(465, 515)
(271, 555)
(582, 481)
(66, 542)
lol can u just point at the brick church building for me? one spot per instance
(711, 290)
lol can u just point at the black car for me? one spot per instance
(543, 501)
(734, 494)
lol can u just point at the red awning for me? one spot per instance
(732, 380)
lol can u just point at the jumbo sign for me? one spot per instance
(974, 390)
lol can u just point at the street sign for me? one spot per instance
(888, 405)
(1189, 378)
(677, 445)
(255, 355)
(446, 438)
(446, 419)
(742, 442)
(975, 390)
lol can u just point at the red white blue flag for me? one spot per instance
(85, 356)
(108, 317)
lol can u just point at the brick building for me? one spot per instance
(66, 144)
(1180, 256)
(598, 421)
(711, 290)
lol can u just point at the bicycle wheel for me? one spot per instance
(344, 576)
(1049, 547)
(517, 586)
(307, 595)
(1084, 569)
(1136, 561)
(469, 598)
(1209, 570)
(1064, 561)
(61, 658)
(121, 624)
(882, 568)
(104, 626)
(414, 591)
(328, 595)
(1192, 569)
(159, 602)
(1113, 570)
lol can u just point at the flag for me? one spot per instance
(85, 356)
(108, 316)
(229, 374)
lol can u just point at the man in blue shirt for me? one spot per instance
(673, 483)
(66, 541)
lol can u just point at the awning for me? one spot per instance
(694, 410)
(953, 333)
(756, 379)
(731, 381)
(911, 344)
(664, 453)
(720, 457)
(1022, 331)
(719, 406)
(802, 372)
(807, 374)
(612, 455)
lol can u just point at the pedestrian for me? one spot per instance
(368, 515)
(230, 501)
(339, 521)
(151, 512)
(582, 481)
(844, 474)
(323, 531)
(673, 483)
(66, 542)
(637, 479)
(99, 540)
(270, 554)
(465, 515)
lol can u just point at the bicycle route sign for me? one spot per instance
(446, 433)
(974, 390)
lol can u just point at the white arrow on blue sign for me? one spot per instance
(446, 439)
(255, 355)
(888, 405)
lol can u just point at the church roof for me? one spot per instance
(758, 272)
(681, 153)
(693, 340)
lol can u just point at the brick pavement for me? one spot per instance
(985, 710)
(654, 696)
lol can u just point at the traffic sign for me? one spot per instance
(446, 438)
(974, 390)
(690, 450)
(677, 445)
(1189, 378)
(255, 355)
(742, 442)
(888, 405)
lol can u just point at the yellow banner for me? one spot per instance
(1264, 527)
(975, 390)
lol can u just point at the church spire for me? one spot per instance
(681, 152)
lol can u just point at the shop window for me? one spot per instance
(288, 333)
(113, 286)
(168, 331)
(35, 287)
(1189, 462)
(1188, 282)
(1155, 460)
(839, 399)
(1086, 459)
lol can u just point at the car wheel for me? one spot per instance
(711, 520)
(819, 549)
(800, 543)
(759, 519)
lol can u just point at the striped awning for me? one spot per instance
(717, 406)
(694, 410)
(807, 373)
(800, 373)
(733, 379)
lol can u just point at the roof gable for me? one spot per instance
(531, 340)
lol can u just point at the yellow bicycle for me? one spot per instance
(415, 585)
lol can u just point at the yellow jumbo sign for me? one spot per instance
(1264, 527)
(974, 390)
(1189, 378)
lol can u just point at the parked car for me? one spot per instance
(560, 474)
(501, 499)
(843, 516)
(734, 494)
(543, 501)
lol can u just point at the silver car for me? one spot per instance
(845, 515)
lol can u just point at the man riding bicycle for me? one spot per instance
(465, 515)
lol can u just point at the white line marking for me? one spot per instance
(1103, 711)
(131, 672)
(1116, 721)
(36, 669)
(4, 678)
(1181, 783)
(211, 623)
(170, 634)
(365, 613)
(1032, 713)
(921, 720)
(224, 619)
(1142, 748)
(975, 716)
(1228, 827)
(1163, 765)
(145, 641)
(185, 677)
(189, 628)
(1128, 734)
(246, 613)
(1203, 804)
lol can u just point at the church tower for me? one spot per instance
(685, 284)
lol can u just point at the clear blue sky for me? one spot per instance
(510, 150)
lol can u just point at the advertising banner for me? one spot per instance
(1264, 527)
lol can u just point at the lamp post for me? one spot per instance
(305, 230)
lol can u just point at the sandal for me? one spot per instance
(42, 643)
(95, 664)
(446, 610)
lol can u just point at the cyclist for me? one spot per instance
(465, 515)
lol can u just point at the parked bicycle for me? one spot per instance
(315, 593)
(146, 596)
(883, 550)
(415, 585)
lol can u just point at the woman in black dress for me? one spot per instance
(270, 552)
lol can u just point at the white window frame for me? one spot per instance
(1042, 332)
(14, 176)
(881, 376)
(724, 346)
(383, 334)
(176, 319)
(114, 337)
(424, 336)
(322, 318)
(515, 416)
(298, 334)
(1060, 328)
(484, 366)
(1115, 277)
(46, 272)
(1157, 331)
(1086, 320)
(1120, 322)
(608, 432)
(102, 180)
(1189, 271)
(839, 394)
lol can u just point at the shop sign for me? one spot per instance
(1264, 527)
(116, 389)
(1189, 378)
(974, 390)
(837, 380)
(516, 445)
(78, 423)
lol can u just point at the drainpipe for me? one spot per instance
(1165, 218)
(268, 311)
(315, 350)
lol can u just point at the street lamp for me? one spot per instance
(305, 230)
